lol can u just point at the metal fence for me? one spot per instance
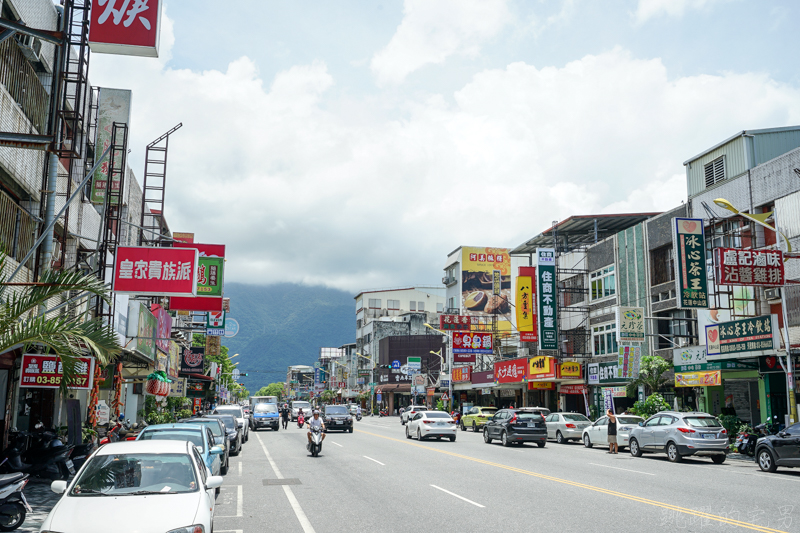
(17, 228)
(20, 80)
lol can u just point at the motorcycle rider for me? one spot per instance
(285, 415)
(315, 422)
(358, 411)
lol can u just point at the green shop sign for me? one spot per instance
(689, 249)
(742, 336)
(548, 305)
(210, 276)
(716, 365)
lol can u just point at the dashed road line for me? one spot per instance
(371, 459)
(459, 497)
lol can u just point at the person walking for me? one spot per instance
(285, 415)
(612, 432)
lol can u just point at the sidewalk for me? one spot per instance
(741, 457)
(41, 500)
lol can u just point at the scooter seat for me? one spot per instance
(7, 479)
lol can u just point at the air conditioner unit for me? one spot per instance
(523, 352)
(31, 47)
(773, 294)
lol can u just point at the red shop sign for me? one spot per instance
(455, 322)
(750, 267)
(155, 271)
(46, 372)
(125, 27)
(462, 373)
(573, 389)
(511, 371)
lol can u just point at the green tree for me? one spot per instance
(328, 396)
(68, 337)
(273, 389)
(651, 374)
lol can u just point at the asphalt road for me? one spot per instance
(376, 480)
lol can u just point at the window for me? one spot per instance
(604, 283)
(663, 265)
(451, 303)
(392, 304)
(412, 306)
(420, 306)
(573, 291)
(439, 308)
(715, 171)
(374, 303)
(672, 331)
(605, 339)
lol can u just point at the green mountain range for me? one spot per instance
(285, 324)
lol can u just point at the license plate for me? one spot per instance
(70, 466)
(709, 436)
(441, 423)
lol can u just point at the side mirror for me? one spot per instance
(641, 424)
(214, 482)
(58, 486)
(217, 450)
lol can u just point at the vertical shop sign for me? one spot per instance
(629, 360)
(526, 311)
(630, 324)
(690, 259)
(548, 305)
(496, 282)
(113, 105)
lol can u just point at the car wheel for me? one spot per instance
(560, 438)
(474, 427)
(672, 453)
(462, 427)
(486, 437)
(718, 459)
(541, 444)
(350, 430)
(587, 441)
(766, 462)
(453, 438)
(408, 435)
(504, 439)
(419, 436)
(635, 450)
(223, 469)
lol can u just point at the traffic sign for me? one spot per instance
(396, 365)
(445, 397)
(414, 363)
(235, 374)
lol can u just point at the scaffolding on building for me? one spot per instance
(154, 191)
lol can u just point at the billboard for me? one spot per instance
(142, 328)
(475, 342)
(113, 105)
(526, 304)
(630, 324)
(750, 267)
(743, 336)
(211, 285)
(154, 271)
(125, 27)
(478, 266)
(462, 373)
(46, 372)
(454, 322)
(689, 250)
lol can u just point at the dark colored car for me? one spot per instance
(516, 425)
(338, 417)
(782, 449)
(232, 431)
(217, 428)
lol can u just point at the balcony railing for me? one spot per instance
(20, 80)
(17, 228)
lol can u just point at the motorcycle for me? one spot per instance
(13, 505)
(301, 420)
(46, 458)
(358, 417)
(315, 446)
(383, 412)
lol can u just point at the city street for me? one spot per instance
(376, 480)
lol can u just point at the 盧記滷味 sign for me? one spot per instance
(750, 267)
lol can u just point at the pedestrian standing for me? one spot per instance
(612, 432)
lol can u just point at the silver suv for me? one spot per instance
(679, 435)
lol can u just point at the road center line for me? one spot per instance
(240, 468)
(459, 497)
(298, 510)
(625, 469)
(337, 444)
(371, 459)
(622, 495)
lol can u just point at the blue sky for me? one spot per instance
(355, 143)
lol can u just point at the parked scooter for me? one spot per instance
(315, 446)
(13, 505)
(383, 412)
(46, 458)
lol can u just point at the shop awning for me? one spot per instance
(197, 377)
(394, 388)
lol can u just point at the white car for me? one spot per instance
(238, 413)
(410, 411)
(297, 405)
(158, 486)
(431, 424)
(597, 433)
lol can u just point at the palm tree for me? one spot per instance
(651, 374)
(328, 396)
(23, 325)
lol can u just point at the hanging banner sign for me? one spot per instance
(573, 389)
(712, 378)
(629, 360)
(155, 271)
(472, 343)
(47, 371)
(177, 389)
(750, 267)
(192, 360)
(630, 324)
(454, 322)
(113, 105)
(125, 27)
(689, 250)
(547, 298)
(525, 305)
(510, 371)
(541, 367)
(741, 336)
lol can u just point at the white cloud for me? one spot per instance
(432, 31)
(305, 187)
(647, 9)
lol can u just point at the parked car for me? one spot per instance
(782, 449)
(516, 425)
(679, 435)
(410, 411)
(476, 417)
(564, 427)
(597, 433)
(232, 431)
(337, 417)
(161, 485)
(353, 408)
(427, 424)
(266, 415)
(197, 434)
(297, 405)
(238, 414)
(217, 428)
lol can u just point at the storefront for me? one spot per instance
(483, 389)
(462, 387)
(510, 382)
(542, 382)
(605, 375)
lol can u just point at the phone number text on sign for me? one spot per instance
(472, 343)
(46, 371)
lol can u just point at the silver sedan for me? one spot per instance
(563, 427)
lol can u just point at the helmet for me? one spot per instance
(316, 411)
(122, 416)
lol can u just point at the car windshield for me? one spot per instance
(628, 419)
(530, 416)
(436, 415)
(419, 408)
(702, 422)
(488, 411)
(193, 436)
(573, 417)
(213, 425)
(266, 408)
(301, 405)
(136, 473)
(229, 410)
(336, 410)
(229, 421)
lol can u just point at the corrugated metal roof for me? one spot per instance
(740, 134)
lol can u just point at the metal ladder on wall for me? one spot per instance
(154, 190)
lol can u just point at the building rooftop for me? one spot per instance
(742, 133)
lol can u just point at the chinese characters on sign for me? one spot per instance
(745, 335)
(46, 372)
(541, 367)
(601, 373)
(472, 343)
(629, 360)
(192, 361)
(209, 276)
(750, 267)
(213, 345)
(510, 371)
(690, 260)
(113, 105)
(572, 389)
(526, 310)
(630, 324)
(155, 271)
(126, 27)
(548, 304)
(711, 378)
(462, 373)
(454, 322)
(496, 282)
(570, 370)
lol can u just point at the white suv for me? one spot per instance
(238, 414)
(409, 411)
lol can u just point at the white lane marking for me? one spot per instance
(240, 468)
(239, 500)
(457, 496)
(298, 511)
(230, 531)
(625, 469)
(337, 444)
(371, 459)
